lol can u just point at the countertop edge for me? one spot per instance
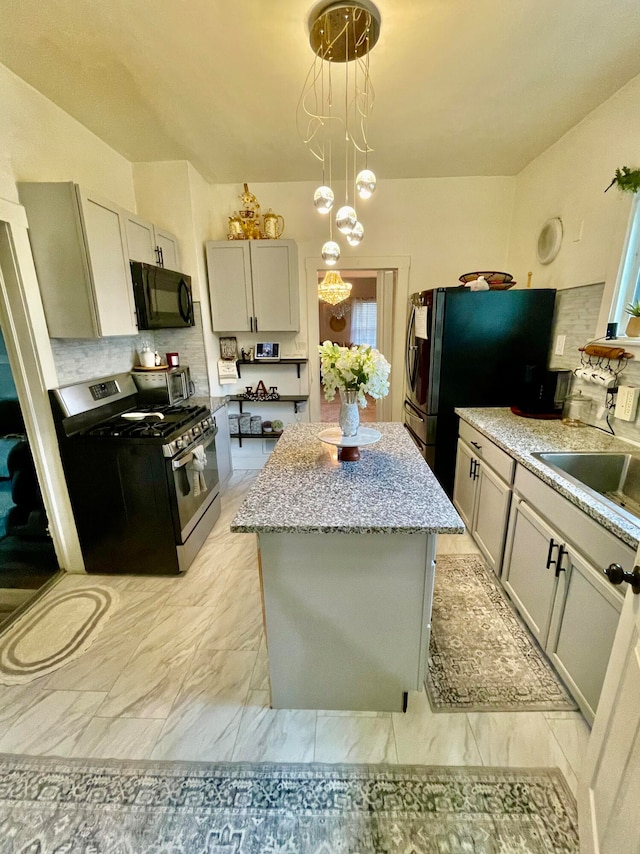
(272, 529)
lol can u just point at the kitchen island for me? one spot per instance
(347, 568)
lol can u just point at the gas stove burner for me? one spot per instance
(176, 419)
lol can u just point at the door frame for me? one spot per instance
(400, 266)
(31, 360)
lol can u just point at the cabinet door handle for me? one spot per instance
(161, 256)
(477, 446)
(255, 324)
(475, 469)
(471, 462)
(559, 567)
(251, 324)
(552, 546)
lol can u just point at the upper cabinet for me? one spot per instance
(253, 285)
(150, 244)
(80, 253)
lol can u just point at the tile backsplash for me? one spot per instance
(576, 317)
(82, 359)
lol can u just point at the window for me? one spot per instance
(628, 286)
(363, 322)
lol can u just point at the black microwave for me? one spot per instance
(163, 297)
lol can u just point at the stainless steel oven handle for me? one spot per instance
(187, 456)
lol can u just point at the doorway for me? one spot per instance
(352, 322)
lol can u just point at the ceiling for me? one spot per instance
(462, 88)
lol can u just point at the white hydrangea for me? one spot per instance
(362, 368)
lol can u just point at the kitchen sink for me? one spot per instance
(613, 477)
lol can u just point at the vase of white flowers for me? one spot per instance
(356, 372)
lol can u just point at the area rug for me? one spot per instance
(481, 655)
(54, 805)
(57, 628)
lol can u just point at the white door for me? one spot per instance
(167, 243)
(609, 790)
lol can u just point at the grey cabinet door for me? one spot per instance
(584, 626)
(109, 265)
(464, 487)
(229, 272)
(141, 242)
(274, 274)
(490, 515)
(167, 243)
(528, 576)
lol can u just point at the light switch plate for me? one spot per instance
(560, 342)
(627, 403)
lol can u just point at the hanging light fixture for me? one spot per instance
(333, 122)
(332, 289)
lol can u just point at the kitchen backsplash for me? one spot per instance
(576, 317)
(80, 359)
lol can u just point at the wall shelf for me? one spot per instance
(296, 399)
(263, 364)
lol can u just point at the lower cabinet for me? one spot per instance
(481, 495)
(530, 572)
(554, 575)
(223, 445)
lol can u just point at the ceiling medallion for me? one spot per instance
(334, 109)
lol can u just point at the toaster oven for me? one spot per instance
(163, 386)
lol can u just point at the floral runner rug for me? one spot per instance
(51, 805)
(481, 655)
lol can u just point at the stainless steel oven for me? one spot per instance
(142, 478)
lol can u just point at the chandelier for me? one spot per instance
(334, 109)
(332, 289)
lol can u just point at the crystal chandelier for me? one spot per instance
(334, 109)
(332, 289)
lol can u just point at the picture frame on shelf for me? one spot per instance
(229, 348)
(268, 351)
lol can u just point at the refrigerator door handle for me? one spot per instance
(412, 412)
(411, 350)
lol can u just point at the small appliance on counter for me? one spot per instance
(542, 393)
(163, 384)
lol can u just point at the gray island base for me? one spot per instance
(347, 568)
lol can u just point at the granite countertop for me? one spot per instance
(212, 403)
(303, 488)
(519, 437)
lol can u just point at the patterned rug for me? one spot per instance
(482, 656)
(54, 805)
(57, 628)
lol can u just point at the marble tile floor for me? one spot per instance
(180, 672)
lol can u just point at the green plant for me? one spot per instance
(633, 308)
(277, 426)
(628, 180)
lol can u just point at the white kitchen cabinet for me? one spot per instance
(150, 244)
(223, 445)
(253, 285)
(529, 572)
(553, 571)
(79, 248)
(583, 628)
(482, 492)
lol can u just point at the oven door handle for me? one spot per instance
(187, 456)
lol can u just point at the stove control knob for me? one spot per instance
(179, 442)
(196, 430)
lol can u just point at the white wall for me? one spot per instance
(40, 142)
(568, 181)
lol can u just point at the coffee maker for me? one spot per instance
(542, 393)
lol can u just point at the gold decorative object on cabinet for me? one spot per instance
(273, 225)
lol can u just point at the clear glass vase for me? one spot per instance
(349, 418)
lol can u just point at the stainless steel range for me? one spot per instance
(143, 480)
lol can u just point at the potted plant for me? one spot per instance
(277, 426)
(633, 326)
(627, 180)
(267, 427)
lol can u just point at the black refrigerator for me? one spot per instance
(469, 348)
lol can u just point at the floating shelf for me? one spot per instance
(296, 399)
(296, 362)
